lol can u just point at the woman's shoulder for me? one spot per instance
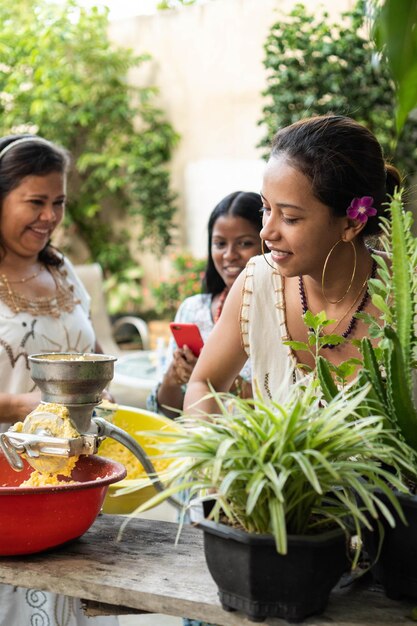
(255, 260)
(260, 270)
(199, 297)
(68, 269)
(65, 265)
(262, 262)
(69, 272)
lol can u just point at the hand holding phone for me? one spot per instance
(187, 335)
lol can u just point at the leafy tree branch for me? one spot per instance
(61, 77)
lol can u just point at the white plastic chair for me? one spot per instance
(91, 275)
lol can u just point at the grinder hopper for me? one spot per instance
(75, 380)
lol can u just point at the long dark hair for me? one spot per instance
(30, 155)
(245, 204)
(342, 159)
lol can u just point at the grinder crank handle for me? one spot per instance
(106, 429)
(10, 452)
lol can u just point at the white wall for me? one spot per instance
(207, 61)
(206, 182)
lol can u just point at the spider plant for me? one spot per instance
(287, 469)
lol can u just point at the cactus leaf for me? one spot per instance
(327, 383)
(372, 368)
(399, 389)
(401, 278)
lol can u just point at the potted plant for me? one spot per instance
(282, 480)
(391, 370)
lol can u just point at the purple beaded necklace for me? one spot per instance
(353, 320)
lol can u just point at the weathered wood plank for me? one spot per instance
(146, 571)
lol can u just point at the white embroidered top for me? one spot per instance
(22, 334)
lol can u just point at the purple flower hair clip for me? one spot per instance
(361, 208)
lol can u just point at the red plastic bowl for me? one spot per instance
(33, 519)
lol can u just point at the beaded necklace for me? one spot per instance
(353, 321)
(62, 301)
(21, 280)
(220, 304)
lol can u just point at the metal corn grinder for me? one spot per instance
(75, 381)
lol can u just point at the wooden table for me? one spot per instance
(145, 571)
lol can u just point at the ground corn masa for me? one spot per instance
(117, 452)
(49, 470)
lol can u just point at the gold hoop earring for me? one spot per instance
(263, 254)
(324, 272)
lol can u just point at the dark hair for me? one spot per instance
(342, 159)
(245, 204)
(30, 156)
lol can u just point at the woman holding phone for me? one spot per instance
(233, 238)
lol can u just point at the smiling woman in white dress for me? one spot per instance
(43, 308)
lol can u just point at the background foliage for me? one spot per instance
(60, 77)
(395, 32)
(185, 280)
(174, 4)
(317, 67)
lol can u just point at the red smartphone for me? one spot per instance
(187, 335)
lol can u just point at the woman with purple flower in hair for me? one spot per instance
(324, 190)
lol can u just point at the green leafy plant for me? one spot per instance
(394, 30)
(390, 367)
(316, 66)
(185, 280)
(290, 468)
(316, 341)
(174, 4)
(61, 77)
(124, 291)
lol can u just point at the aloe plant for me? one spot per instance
(290, 468)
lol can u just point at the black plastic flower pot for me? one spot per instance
(396, 568)
(253, 578)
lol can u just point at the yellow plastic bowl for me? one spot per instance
(133, 420)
